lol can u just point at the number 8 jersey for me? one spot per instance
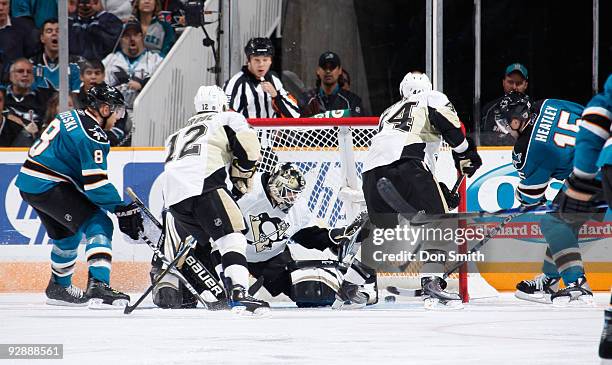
(197, 155)
(72, 149)
(545, 150)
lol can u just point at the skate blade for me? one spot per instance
(98, 304)
(241, 311)
(342, 305)
(435, 304)
(579, 301)
(64, 304)
(536, 298)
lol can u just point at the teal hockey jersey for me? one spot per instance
(545, 150)
(72, 149)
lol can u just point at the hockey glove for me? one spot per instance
(469, 160)
(452, 200)
(130, 220)
(241, 178)
(341, 234)
(578, 201)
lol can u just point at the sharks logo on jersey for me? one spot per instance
(267, 230)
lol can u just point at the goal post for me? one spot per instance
(330, 152)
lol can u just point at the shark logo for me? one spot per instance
(98, 133)
(516, 159)
(267, 230)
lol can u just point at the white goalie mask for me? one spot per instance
(414, 83)
(285, 185)
(211, 99)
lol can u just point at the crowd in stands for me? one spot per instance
(119, 42)
(123, 42)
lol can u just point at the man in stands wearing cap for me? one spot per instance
(492, 126)
(329, 93)
(257, 92)
(130, 68)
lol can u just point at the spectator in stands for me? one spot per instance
(46, 63)
(158, 35)
(72, 6)
(25, 105)
(257, 92)
(122, 9)
(346, 80)
(92, 73)
(37, 10)
(329, 94)
(93, 34)
(173, 12)
(9, 130)
(130, 68)
(492, 130)
(15, 39)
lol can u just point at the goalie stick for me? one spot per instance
(209, 280)
(170, 268)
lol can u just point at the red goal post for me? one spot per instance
(330, 152)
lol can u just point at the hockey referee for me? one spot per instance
(257, 92)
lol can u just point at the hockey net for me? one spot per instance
(330, 153)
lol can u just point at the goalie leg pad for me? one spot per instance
(314, 286)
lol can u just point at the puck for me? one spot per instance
(390, 299)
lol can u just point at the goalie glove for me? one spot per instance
(578, 201)
(452, 200)
(469, 160)
(342, 234)
(241, 178)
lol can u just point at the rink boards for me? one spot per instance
(25, 249)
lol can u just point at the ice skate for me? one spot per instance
(71, 296)
(349, 297)
(102, 296)
(577, 293)
(167, 296)
(605, 345)
(435, 297)
(537, 290)
(240, 302)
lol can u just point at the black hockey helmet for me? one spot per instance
(104, 94)
(259, 47)
(515, 105)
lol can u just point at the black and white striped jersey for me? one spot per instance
(248, 98)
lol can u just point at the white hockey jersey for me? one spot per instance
(270, 228)
(207, 144)
(409, 122)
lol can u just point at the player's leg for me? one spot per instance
(98, 231)
(62, 210)
(219, 216)
(542, 286)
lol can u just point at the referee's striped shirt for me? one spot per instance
(248, 98)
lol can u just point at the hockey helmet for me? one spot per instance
(259, 47)
(515, 105)
(105, 94)
(414, 83)
(210, 99)
(285, 185)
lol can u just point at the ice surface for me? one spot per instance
(503, 331)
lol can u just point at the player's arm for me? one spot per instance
(592, 135)
(531, 188)
(102, 192)
(321, 238)
(245, 148)
(444, 118)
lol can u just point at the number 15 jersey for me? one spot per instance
(198, 155)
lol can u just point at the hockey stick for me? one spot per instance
(457, 184)
(209, 280)
(393, 198)
(171, 268)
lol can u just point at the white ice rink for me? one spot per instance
(503, 331)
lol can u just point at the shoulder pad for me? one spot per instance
(92, 129)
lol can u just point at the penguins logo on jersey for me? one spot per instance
(267, 230)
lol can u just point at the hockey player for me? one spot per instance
(593, 161)
(197, 160)
(409, 133)
(65, 180)
(273, 221)
(545, 136)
